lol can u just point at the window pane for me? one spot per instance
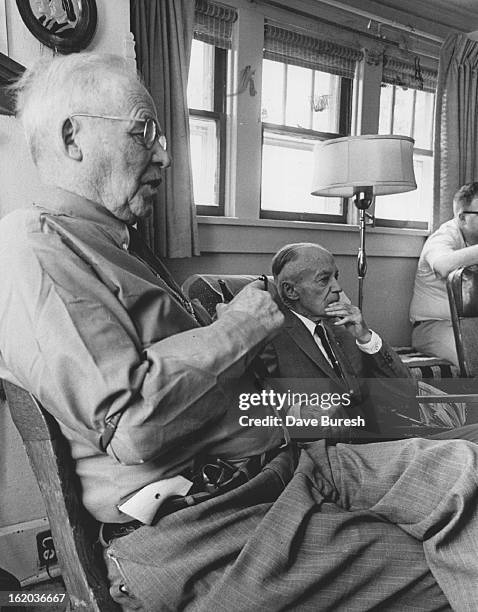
(201, 76)
(424, 107)
(298, 101)
(385, 117)
(413, 205)
(402, 119)
(287, 164)
(326, 102)
(204, 162)
(273, 92)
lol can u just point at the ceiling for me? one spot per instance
(428, 15)
(428, 6)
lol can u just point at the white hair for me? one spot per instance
(54, 88)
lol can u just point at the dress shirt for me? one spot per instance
(371, 347)
(94, 334)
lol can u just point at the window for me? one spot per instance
(408, 110)
(306, 97)
(207, 84)
(207, 124)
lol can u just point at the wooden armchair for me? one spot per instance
(74, 531)
(462, 286)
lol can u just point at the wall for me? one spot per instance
(21, 509)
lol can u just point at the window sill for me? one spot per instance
(298, 225)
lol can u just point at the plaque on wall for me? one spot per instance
(63, 25)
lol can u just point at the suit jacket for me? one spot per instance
(379, 385)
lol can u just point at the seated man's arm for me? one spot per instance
(385, 363)
(67, 338)
(388, 380)
(443, 259)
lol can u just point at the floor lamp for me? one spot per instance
(363, 167)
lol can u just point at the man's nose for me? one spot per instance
(160, 156)
(336, 288)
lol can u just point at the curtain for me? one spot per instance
(456, 123)
(163, 30)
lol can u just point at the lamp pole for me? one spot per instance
(363, 198)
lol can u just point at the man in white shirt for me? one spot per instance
(454, 244)
(326, 339)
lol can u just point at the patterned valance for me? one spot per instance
(292, 47)
(213, 23)
(408, 74)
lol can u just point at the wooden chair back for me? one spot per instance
(462, 286)
(73, 529)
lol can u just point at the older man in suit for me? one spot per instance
(326, 338)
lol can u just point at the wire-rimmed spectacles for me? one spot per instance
(150, 133)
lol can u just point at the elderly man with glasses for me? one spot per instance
(198, 511)
(454, 244)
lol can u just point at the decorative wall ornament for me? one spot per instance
(63, 25)
(374, 56)
(246, 80)
(320, 102)
(10, 71)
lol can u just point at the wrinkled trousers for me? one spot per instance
(384, 526)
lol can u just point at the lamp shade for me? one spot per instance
(344, 166)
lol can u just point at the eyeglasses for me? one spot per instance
(469, 212)
(150, 133)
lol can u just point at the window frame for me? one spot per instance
(244, 129)
(345, 125)
(402, 223)
(220, 118)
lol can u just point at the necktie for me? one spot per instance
(320, 331)
(141, 251)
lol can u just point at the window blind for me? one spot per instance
(292, 47)
(213, 23)
(408, 74)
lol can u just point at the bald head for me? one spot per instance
(306, 277)
(292, 259)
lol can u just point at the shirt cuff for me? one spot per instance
(372, 346)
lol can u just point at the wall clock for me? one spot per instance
(63, 25)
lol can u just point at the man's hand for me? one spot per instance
(256, 302)
(351, 318)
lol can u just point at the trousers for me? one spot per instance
(436, 338)
(383, 526)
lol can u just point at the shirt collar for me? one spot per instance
(62, 202)
(311, 325)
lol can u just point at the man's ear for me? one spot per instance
(288, 291)
(69, 132)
